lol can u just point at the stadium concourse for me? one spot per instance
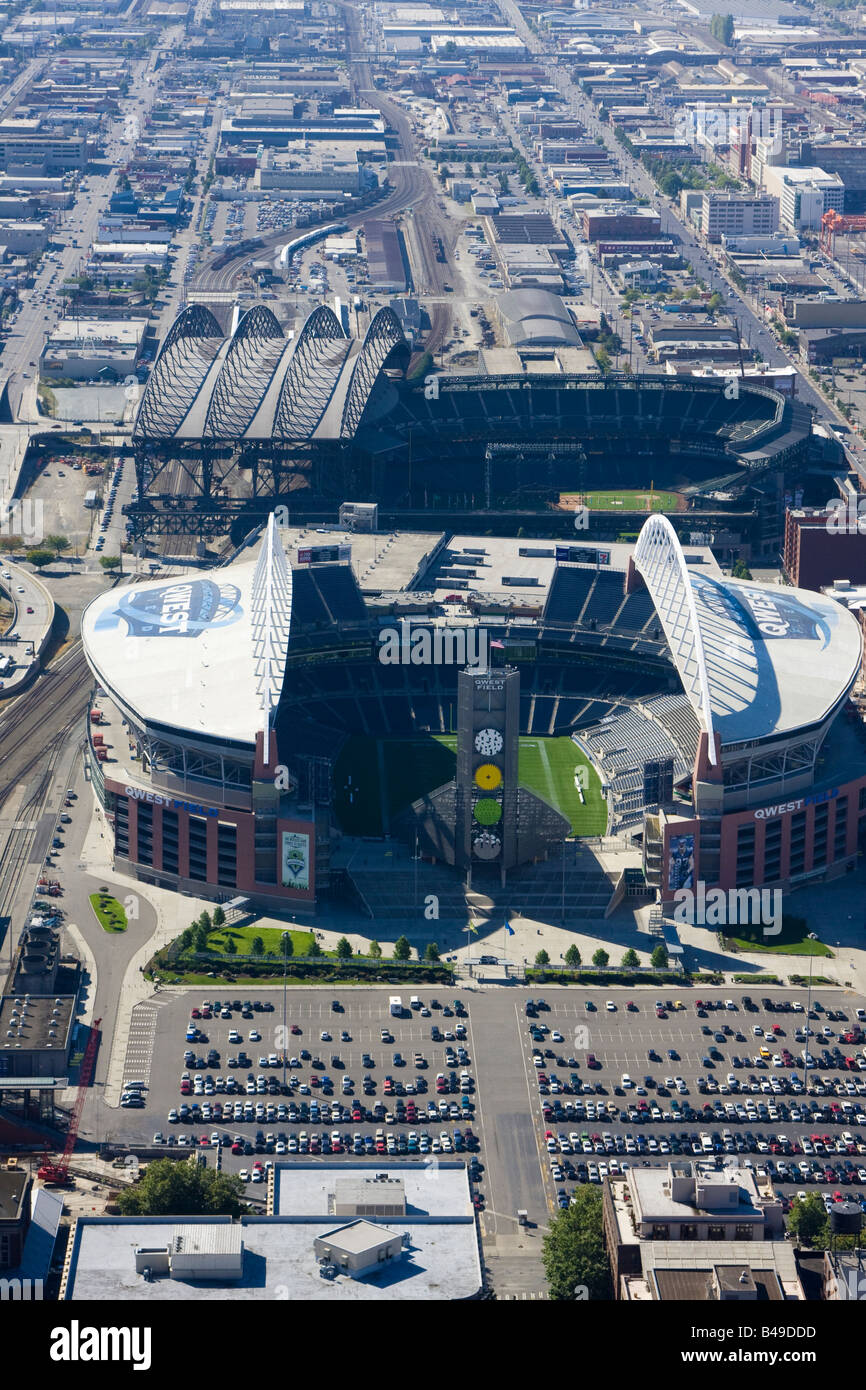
(708, 714)
(242, 420)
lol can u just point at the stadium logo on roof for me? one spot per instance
(185, 608)
(760, 613)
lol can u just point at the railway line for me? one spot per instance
(412, 189)
(49, 709)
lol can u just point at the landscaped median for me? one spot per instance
(109, 913)
(211, 950)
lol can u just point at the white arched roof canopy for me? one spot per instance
(659, 558)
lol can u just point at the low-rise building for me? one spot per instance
(84, 348)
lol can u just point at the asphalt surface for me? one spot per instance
(507, 1105)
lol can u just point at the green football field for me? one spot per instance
(375, 779)
(640, 500)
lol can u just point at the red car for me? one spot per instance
(195, 1013)
(631, 1007)
(592, 1062)
(206, 1013)
(237, 1148)
(294, 1028)
(660, 1013)
(29, 610)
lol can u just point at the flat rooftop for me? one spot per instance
(383, 562)
(36, 1024)
(13, 1184)
(441, 1262)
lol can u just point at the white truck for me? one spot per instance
(396, 1006)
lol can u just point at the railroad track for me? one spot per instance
(413, 188)
(16, 852)
(47, 710)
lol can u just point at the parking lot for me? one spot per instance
(340, 1076)
(636, 1084)
(607, 1093)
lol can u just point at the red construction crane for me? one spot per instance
(58, 1173)
(833, 222)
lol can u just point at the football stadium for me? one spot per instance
(360, 719)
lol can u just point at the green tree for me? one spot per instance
(206, 920)
(258, 946)
(600, 957)
(344, 949)
(170, 1188)
(200, 936)
(108, 562)
(9, 544)
(603, 360)
(715, 302)
(402, 948)
(219, 917)
(573, 1253)
(231, 949)
(374, 950)
(432, 951)
(808, 1219)
(630, 960)
(56, 543)
(722, 28)
(542, 958)
(187, 939)
(314, 949)
(741, 570)
(39, 557)
(572, 956)
(659, 957)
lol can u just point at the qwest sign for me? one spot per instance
(137, 794)
(786, 807)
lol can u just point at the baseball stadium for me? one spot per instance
(228, 425)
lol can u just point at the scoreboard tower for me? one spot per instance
(488, 727)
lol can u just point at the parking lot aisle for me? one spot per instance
(513, 1177)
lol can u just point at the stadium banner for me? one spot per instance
(295, 860)
(681, 862)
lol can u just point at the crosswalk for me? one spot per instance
(140, 1042)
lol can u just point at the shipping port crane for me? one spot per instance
(834, 222)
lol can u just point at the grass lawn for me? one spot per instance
(634, 500)
(414, 766)
(109, 913)
(792, 941)
(243, 937)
